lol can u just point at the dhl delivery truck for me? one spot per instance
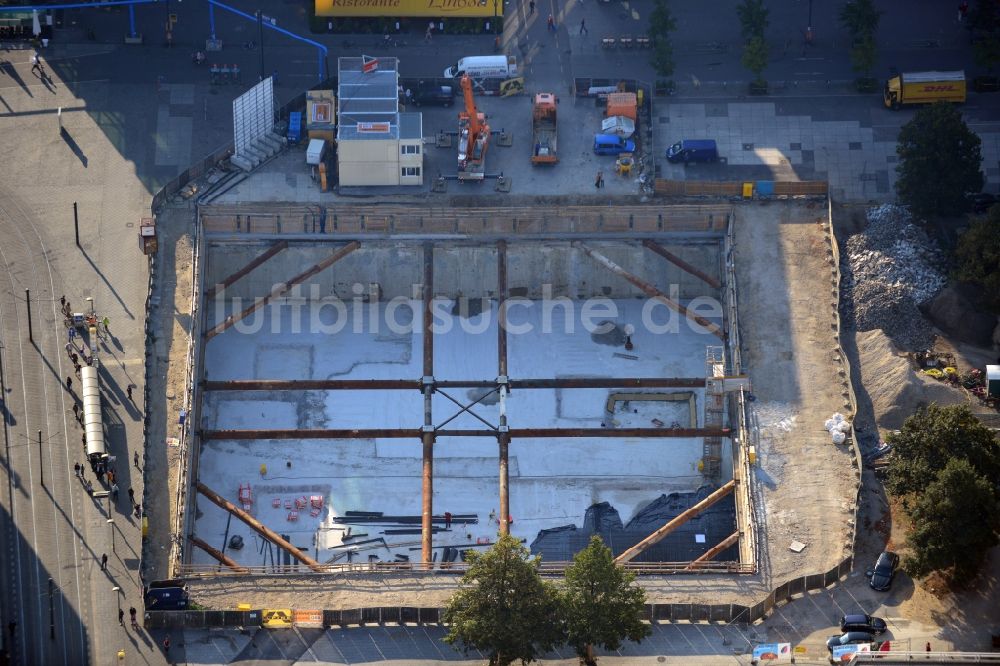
(924, 88)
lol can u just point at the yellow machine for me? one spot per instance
(624, 164)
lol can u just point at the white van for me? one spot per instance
(483, 67)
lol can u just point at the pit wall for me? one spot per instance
(467, 270)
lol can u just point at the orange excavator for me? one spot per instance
(473, 137)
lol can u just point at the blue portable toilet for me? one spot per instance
(294, 127)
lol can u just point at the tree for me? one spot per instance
(932, 437)
(600, 604)
(863, 56)
(753, 19)
(978, 255)
(661, 24)
(860, 18)
(955, 523)
(755, 55)
(939, 162)
(503, 607)
(986, 51)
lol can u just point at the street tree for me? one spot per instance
(863, 56)
(601, 605)
(753, 18)
(932, 437)
(956, 520)
(861, 18)
(978, 255)
(755, 57)
(503, 608)
(661, 25)
(939, 162)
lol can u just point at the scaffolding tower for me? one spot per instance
(715, 373)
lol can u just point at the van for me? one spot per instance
(693, 150)
(166, 598)
(612, 144)
(483, 67)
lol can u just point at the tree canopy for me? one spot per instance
(753, 17)
(932, 437)
(955, 523)
(978, 255)
(861, 18)
(661, 24)
(503, 608)
(600, 602)
(939, 162)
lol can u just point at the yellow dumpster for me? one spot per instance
(747, 190)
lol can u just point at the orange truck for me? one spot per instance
(543, 130)
(924, 88)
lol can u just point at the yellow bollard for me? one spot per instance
(263, 469)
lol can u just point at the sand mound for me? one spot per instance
(895, 388)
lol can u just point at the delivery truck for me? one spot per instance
(924, 88)
(543, 130)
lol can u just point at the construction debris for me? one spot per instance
(890, 269)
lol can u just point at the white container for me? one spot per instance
(314, 153)
(993, 380)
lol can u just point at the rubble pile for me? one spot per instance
(890, 269)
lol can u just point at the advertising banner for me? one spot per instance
(773, 652)
(844, 653)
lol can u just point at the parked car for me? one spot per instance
(863, 622)
(885, 568)
(693, 150)
(848, 638)
(429, 94)
(612, 144)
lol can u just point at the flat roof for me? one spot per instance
(411, 126)
(367, 97)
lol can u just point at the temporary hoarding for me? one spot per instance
(776, 652)
(843, 653)
(403, 8)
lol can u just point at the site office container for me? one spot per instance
(924, 88)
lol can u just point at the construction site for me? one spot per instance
(382, 389)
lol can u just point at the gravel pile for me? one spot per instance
(890, 269)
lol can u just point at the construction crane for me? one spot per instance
(473, 137)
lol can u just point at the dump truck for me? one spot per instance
(543, 129)
(924, 88)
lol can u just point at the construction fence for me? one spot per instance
(760, 189)
(282, 219)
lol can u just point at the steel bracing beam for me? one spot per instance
(513, 433)
(257, 526)
(650, 290)
(416, 384)
(673, 524)
(218, 555)
(681, 264)
(712, 552)
(246, 270)
(282, 289)
(503, 437)
(427, 435)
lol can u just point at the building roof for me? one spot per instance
(411, 126)
(367, 97)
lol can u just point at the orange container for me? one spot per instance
(622, 104)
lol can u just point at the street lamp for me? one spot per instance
(111, 524)
(90, 299)
(118, 596)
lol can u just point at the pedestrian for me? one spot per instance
(583, 27)
(106, 321)
(531, 7)
(104, 562)
(90, 490)
(35, 64)
(76, 368)
(447, 520)
(128, 389)
(69, 383)
(83, 439)
(430, 30)
(135, 459)
(121, 617)
(493, 515)
(510, 520)
(138, 510)
(551, 23)
(69, 349)
(72, 334)
(62, 301)
(75, 359)
(76, 467)
(131, 614)
(76, 409)
(114, 492)
(131, 496)
(166, 644)
(927, 648)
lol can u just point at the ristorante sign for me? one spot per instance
(402, 8)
